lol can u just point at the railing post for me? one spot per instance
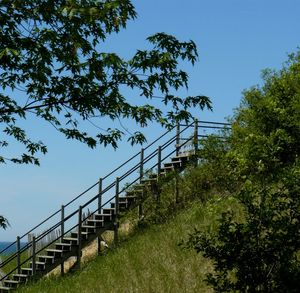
(33, 256)
(177, 138)
(18, 255)
(100, 195)
(141, 177)
(142, 165)
(158, 161)
(196, 141)
(79, 239)
(100, 186)
(62, 230)
(116, 223)
(157, 189)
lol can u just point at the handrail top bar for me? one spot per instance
(126, 174)
(82, 193)
(210, 122)
(145, 159)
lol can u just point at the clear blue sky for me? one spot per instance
(236, 40)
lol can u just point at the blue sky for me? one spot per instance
(236, 40)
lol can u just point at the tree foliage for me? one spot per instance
(52, 66)
(259, 252)
(3, 222)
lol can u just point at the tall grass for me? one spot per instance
(150, 260)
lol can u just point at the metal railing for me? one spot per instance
(159, 151)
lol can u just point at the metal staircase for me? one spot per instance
(79, 227)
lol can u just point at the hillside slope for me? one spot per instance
(149, 261)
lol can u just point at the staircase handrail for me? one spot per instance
(85, 191)
(52, 228)
(125, 175)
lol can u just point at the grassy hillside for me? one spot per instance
(149, 261)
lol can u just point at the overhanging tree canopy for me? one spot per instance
(52, 66)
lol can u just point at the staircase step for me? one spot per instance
(83, 234)
(54, 252)
(175, 164)
(168, 167)
(105, 217)
(127, 198)
(182, 157)
(27, 271)
(38, 264)
(46, 258)
(4, 289)
(11, 283)
(71, 240)
(96, 223)
(108, 211)
(122, 205)
(63, 246)
(89, 229)
(19, 277)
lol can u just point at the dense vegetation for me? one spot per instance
(259, 163)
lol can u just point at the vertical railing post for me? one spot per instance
(142, 165)
(100, 186)
(158, 161)
(100, 195)
(177, 138)
(157, 189)
(79, 238)
(33, 256)
(116, 223)
(62, 230)
(18, 255)
(196, 146)
(141, 178)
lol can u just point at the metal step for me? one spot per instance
(11, 283)
(89, 229)
(20, 277)
(83, 234)
(63, 246)
(127, 198)
(4, 289)
(105, 217)
(97, 223)
(181, 158)
(54, 252)
(108, 211)
(46, 258)
(27, 271)
(71, 240)
(38, 265)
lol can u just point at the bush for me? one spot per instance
(259, 252)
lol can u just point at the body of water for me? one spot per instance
(10, 250)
